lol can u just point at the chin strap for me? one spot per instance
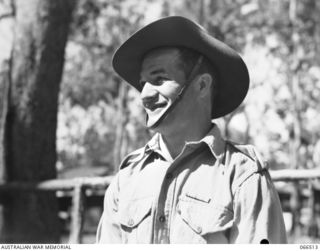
(191, 76)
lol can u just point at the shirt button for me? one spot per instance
(169, 176)
(199, 230)
(130, 222)
(162, 218)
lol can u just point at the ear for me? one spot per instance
(204, 86)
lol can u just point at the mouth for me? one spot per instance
(155, 106)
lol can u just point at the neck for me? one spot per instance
(175, 140)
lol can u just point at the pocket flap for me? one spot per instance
(205, 218)
(131, 213)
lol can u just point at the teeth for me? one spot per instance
(154, 106)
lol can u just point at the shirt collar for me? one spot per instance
(215, 142)
(153, 144)
(213, 139)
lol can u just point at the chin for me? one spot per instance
(169, 124)
(166, 128)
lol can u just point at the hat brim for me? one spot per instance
(178, 31)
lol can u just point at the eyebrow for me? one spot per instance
(157, 71)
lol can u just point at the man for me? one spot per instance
(187, 184)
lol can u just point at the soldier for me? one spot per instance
(188, 184)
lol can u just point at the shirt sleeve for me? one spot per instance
(257, 212)
(109, 228)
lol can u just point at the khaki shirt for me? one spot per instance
(213, 192)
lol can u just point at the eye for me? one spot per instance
(159, 80)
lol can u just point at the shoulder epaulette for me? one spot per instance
(251, 152)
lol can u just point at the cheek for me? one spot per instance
(170, 91)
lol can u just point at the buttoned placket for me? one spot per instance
(161, 214)
(166, 201)
(153, 149)
(164, 209)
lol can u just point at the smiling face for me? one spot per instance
(162, 79)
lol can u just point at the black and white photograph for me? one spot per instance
(159, 122)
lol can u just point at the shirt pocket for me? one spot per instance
(135, 220)
(204, 216)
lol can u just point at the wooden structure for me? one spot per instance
(80, 185)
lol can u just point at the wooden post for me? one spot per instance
(313, 227)
(77, 215)
(4, 92)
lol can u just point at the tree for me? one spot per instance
(35, 72)
(90, 83)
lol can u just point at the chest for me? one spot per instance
(188, 201)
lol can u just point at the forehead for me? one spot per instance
(160, 57)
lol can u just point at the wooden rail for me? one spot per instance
(58, 184)
(292, 175)
(103, 182)
(79, 186)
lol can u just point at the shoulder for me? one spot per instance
(248, 152)
(242, 161)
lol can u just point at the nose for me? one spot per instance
(148, 95)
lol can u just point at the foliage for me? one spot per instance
(91, 105)
(278, 40)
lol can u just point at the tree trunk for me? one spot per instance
(41, 31)
(294, 87)
(166, 8)
(202, 13)
(122, 119)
